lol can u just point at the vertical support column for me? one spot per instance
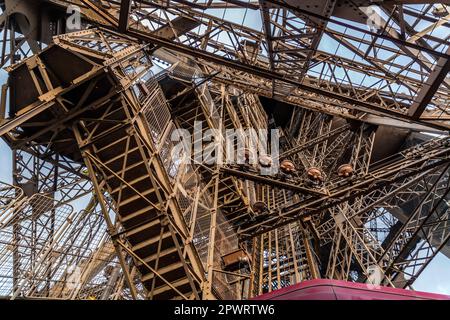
(254, 269)
(207, 289)
(277, 255)
(309, 256)
(261, 264)
(294, 258)
(16, 231)
(269, 264)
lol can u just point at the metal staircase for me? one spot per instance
(118, 123)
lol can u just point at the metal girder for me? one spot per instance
(176, 27)
(429, 88)
(254, 176)
(199, 211)
(314, 141)
(254, 70)
(124, 15)
(361, 105)
(265, 12)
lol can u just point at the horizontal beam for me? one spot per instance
(269, 181)
(35, 109)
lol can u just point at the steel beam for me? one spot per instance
(429, 88)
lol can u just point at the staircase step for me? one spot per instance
(131, 182)
(126, 170)
(171, 268)
(170, 253)
(120, 155)
(164, 291)
(136, 217)
(151, 241)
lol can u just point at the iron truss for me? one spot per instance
(97, 208)
(407, 69)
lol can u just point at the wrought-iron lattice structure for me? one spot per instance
(98, 207)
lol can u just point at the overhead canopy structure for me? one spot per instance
(99, 93)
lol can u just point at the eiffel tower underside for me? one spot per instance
(136, 173)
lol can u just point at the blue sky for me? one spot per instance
(436, 277)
